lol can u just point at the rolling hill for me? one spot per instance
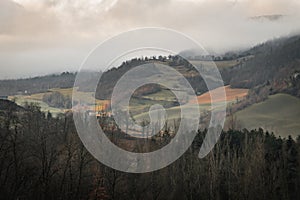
(280, 113)
(271, 68)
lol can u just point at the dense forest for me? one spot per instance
(43, 158)
(275, 62)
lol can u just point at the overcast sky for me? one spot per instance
(45, 36)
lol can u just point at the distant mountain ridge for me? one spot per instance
(274, 63)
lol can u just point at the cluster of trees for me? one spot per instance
(294, 83)
(57, 100)
(227, 56)
(43, 158)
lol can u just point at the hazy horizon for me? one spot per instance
(39, 37)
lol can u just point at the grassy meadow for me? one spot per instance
(280, 113)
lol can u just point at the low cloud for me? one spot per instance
(55, 35)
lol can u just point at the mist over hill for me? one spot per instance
(273, 64)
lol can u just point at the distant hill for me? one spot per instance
(265, 71)
(110, 77)
(275, 63)
(36, 84)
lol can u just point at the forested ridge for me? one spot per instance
(43, 158)
(275, 63)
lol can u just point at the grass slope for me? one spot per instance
(38, 99)
(280, 114)
(203, 102)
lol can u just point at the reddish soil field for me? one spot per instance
(231, 95)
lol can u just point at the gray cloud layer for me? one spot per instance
(44, 36)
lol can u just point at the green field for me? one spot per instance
(280, 114)
(22, 100)
(175, 112)
(38, 99)
(163, 95)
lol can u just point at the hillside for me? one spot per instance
(274, 62)
(232, 94)
(280, 113)
(110, 77)
(268, 68)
